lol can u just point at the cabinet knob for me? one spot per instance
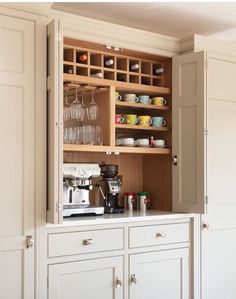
(175, 160)
(88, 242)
(160, 235)
(206, 226)
(119, 283)
(29, 241)
(133, 279)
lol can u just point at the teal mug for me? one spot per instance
(144, 99)
(158, 121)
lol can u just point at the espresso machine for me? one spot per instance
(77, 183)
(110, 187)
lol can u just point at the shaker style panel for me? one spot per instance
(158, 234)
(189, 133)
(160, 274)
(85, 242)
(89, 279)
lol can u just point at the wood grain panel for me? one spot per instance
(130, 169)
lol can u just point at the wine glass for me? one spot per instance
(82, 110)
(92, 109)
(76, 107)
(66, 109)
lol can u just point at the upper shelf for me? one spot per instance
(120, 86)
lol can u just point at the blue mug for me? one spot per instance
(144, 99)
(158, 121)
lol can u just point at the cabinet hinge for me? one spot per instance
(59, 207)
(206, 200)
(206, 132)
(59, 36)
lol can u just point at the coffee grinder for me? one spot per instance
(110, 187)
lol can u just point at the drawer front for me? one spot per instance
(85, 242)
(158, 234)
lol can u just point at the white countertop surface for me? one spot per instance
(120, 218)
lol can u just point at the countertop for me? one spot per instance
(126, 217)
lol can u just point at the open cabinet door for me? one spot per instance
(189, 133)
(55, 123)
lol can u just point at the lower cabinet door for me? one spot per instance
(160, 274)
(88, 279)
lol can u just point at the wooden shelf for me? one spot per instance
(120, 86)
(86, 148)
(115, 149)
(137, 127)
(139, 105)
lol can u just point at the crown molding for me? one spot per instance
(88, 29)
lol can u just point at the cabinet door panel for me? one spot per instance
(86, 279)
(55, 123)
(218, 263)
(221, 143)
(17, 157)
(161, 274)
(189, 124)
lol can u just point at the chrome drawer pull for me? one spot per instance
(88, 242)
(119, 283)
(160, 235)
(133, 279)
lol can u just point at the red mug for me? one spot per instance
(119, 119)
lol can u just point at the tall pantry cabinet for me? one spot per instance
(17, 124)
(23, 152)
(204, 141)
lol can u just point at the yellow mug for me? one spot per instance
(118, 97)
(144, 120)
(130, 119)
(160, 101)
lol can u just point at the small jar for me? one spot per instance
(143, 201)
(130, 200)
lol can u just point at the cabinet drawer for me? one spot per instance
(158, 234)
(85, 242)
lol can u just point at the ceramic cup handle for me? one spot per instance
(122, 120)
(164, 123)
(164, 102)
(136, 99)
(149, 101)
(149, 122)
(136, 121)
(119, 97)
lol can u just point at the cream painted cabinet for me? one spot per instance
(204, 142)
(88, 279)
(17, 158)
(159, 274)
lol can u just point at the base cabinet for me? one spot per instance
(87, 279)
(160, 274)
(155, 265)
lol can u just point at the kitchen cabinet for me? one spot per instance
(161, 273)
(17, 123)
(158, 265)
(204, 117)
(94, 278)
